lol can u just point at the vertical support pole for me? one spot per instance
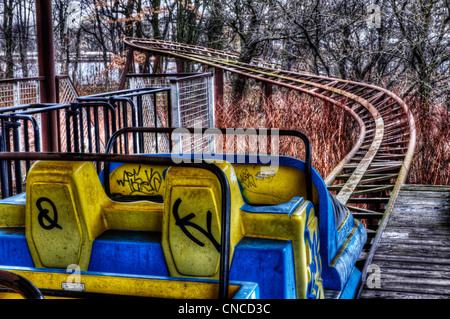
(16, 93)
(211, 112)
(46, 60)
(267, 93)
(211, 101)
(157, 64)
(176, 120)
(180, 65)
(218, 88)
(176, 116)
(146, 68)
(129, 62)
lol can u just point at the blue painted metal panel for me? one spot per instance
(14, 249)
(285, 208)
(352, 285)
(130, 252)
(112, 167)
(14, 200)
(269, 263)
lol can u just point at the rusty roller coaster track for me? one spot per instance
(371, 174)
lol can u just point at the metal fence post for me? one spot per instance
(211, 115)
(16, 93)
(176, 118)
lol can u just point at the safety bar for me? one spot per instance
(19, 284)
(302, 136)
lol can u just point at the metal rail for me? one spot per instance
(369, 177)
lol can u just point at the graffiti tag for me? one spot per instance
(50, 222)
(147, 183)
(247, 179)
(185, 221)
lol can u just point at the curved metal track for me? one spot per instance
(372, 173)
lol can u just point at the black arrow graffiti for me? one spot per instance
(43, 214)
(185, 221)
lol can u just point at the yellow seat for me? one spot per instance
(67, 208)
(192, 221)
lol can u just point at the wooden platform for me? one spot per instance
(413, 257)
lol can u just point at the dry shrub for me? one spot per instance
(331, 130)
(97, 88)
(431, 161)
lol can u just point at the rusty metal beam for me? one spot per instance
(46, 60)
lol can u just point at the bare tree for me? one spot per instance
(424, 38)
(254, 25)
(7, 30)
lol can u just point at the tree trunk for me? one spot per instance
(9, 42)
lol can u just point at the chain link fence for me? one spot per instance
(15, 92)
(192, 102)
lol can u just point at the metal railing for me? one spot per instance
(193, 106)
(19, 91)
(139, 107)
(21, 132)
(84, 127)
(192, 102)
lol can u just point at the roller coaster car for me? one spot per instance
(167, 227)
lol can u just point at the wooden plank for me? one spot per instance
(419, 211)
(417, 233)
(369, 200)
(422, 287)
(373, 190)
(388, 238)
(412, 275)
(429, 218)
(367, 176)
(377, 294)
(400, 281)
(422, 230)
(412, 259)
(422, 222)
(434, 188)
(413, 253)
(382, 177)
(426, 220)
(421, 204)
(414, 266)
(419, 198)
(428, 193)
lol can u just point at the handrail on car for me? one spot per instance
(225, 231)
(20, 285)
(305, 139)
